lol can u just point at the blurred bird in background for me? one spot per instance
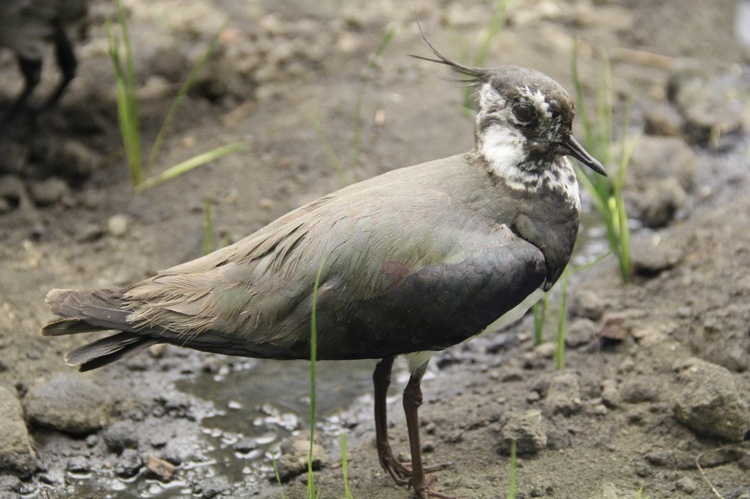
(28, 27)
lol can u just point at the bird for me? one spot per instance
(407, 263)
(27, 27)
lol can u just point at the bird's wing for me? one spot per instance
(401, 263)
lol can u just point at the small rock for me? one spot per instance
(128, 464)
(118, 225)
(527, 430)
(16, 452)
(708, 402)
(10, 483)
(563, 394)
(68, 403)
(650, 258)
(639, 389)
(120, 436)
(610, 394)
(686, 485)
(79, 464)
(293, 459)
(48, 191)
(214, 486)
(160, 468)
(587, 305)
(615, 327)
(660, 172)
(580, 332)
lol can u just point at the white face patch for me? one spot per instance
(537, 98)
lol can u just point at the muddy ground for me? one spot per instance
(655, 390)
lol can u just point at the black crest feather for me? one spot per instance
(475, 75)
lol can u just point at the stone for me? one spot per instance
(563, 394)
(120, 436)
(163, 470)
(708, 402)
(527, 430)
(16, 452)
(293, 459)
(49, 191)
(68, 403)
(650, 257)
(587, 305)
(580, 332)
(660, 173)
(118, 225)
(639, 389)
(610, 394)
(128, 464)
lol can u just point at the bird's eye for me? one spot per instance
(524, 113)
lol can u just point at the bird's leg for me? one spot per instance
(66, 61)
(32, 75)
(381, 380)
(412, 401)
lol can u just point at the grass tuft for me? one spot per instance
(345, 467)
(120, 52)
(607, 192)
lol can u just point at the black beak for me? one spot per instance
(577, 151)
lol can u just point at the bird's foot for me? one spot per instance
(424, 491)
(402, 473)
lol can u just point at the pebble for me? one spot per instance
(615, 326)
(650, 257)
(587, 305)
(118, 225)
(610, 394)
(686, 485)
(293, 459)
(128, 464)
(708, 402)
(49, 191)
(68, 403)
(527, 430)
(119, 436)
(563, 394)
(160, 468)
(16, 452)
(660, 172)
(580, 332)
(639, 389)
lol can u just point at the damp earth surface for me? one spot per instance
(655, 390)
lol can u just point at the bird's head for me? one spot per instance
(524, 120)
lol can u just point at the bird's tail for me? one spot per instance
(89, 310)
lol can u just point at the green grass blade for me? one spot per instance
(177, 101)
(512, 479)
(278, 477)
(127, 106)
(345, 467)
(190, 164)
